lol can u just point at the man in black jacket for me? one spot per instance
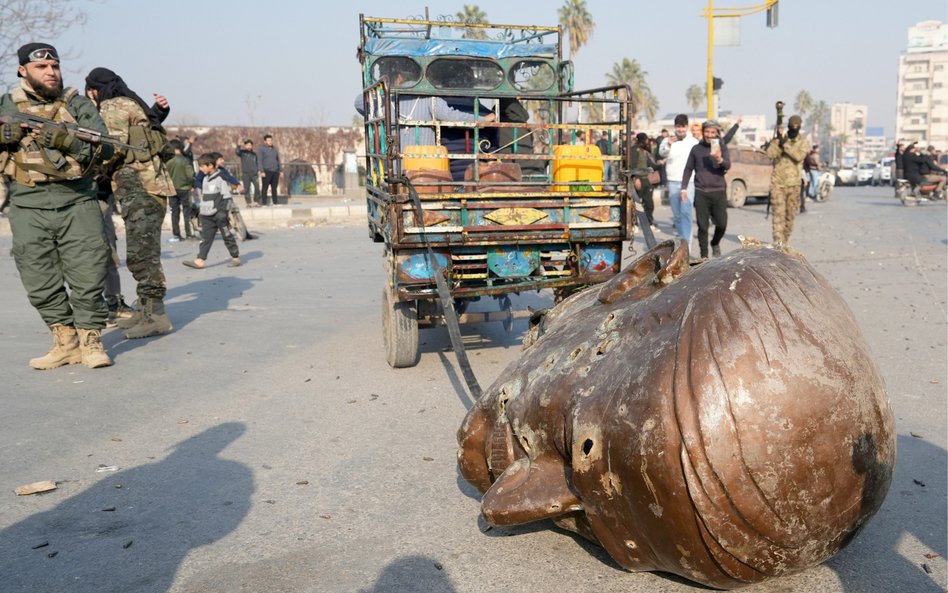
(250, 172)
(709, 161)
(270, 165)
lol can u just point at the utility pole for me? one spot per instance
(711, 13)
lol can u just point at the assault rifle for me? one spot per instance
(35, 122)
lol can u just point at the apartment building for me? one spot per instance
(922, 107)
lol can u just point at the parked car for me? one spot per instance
(749, 175)
(846, 175)
(882, 173)
(864, 173)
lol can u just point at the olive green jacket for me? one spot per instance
(58, 194)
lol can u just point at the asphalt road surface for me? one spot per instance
(265, 445)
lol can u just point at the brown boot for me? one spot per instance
(93, 352)
(153, 322)
(65, 349)
(134, 316)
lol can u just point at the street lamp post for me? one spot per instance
(711, 13)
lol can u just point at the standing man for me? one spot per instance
(182, 177)
(270, 169)
(142, 186)
(675, 150)
(58, 238)
(709, 160)
(250, 172)
(788, 152)
(812, 167)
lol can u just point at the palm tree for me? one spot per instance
(642, 100)
(819, 119)
(472, 14)
(578, 23)
(803, 103)
(694, 95)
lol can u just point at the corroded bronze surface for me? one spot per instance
(725, 423)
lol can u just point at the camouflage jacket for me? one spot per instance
(57, 194)
(119, 114)
(788, 160)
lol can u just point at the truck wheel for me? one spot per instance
(737, 196)
(399, 331)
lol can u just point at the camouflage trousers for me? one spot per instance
(784, 204)
(143, 214)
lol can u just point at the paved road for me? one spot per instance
(266, 446)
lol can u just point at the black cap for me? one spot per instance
(35, 52)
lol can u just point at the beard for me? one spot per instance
(50, 93)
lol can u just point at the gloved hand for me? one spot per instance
(57, 137)
(11, 133)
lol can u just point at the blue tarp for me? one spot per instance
(457, 47)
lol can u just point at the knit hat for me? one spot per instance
(35, 52)
(711, 123)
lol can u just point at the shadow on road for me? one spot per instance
(911, 511)
(131, 530)
(412, 573)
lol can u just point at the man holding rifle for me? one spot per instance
(55, 219)
(787, 152)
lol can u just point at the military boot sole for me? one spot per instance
(45, 365)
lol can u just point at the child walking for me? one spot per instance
(216, 201)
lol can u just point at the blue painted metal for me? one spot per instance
(417, 266)
(597, 259)
(513, 261)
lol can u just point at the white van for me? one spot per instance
(886, 171)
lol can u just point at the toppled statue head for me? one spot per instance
(725, 423)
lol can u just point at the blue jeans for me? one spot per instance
(682, 212)
(814, 183)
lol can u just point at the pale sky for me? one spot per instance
(292, 62)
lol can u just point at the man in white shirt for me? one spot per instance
(675, 150)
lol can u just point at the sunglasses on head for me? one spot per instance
(44, 53)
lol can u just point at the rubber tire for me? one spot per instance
(737, 197)
(237, 224)
(400, 331)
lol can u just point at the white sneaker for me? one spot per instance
(174, 240)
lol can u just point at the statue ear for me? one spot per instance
(657, 267)
(529, 491)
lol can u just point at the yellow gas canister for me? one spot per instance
(576, 162)
(426, 156)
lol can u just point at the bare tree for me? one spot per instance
(23, 21)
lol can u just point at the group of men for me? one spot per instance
(918, 167)
(695, 169)
(257, 169)
(56, 217)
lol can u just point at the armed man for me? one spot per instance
(142, 186)
(788, 152)
(58, 237)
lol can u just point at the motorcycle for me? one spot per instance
(911, 194)
(827, 181)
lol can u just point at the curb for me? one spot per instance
(272, 217)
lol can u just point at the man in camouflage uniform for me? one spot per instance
(58, 239)
(142, 187)
(788, 152)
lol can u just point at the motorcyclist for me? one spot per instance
(932, 171)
